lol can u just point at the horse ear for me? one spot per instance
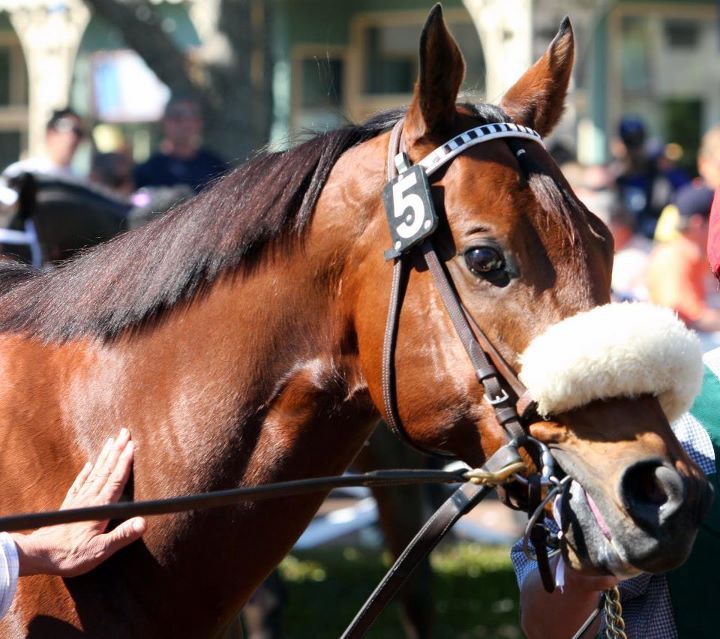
(442, 69)
(537, 99)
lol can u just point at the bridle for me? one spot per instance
(513, 405)
(504, 391)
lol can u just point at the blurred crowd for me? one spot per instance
(658, 213)
(180, 167)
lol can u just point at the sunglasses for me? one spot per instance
(69, 126)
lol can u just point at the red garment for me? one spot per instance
(713, 245)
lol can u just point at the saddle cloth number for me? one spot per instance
(410, 212)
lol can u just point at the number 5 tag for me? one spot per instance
(410, 210)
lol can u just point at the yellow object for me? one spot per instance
(667, 225)
(108, 138)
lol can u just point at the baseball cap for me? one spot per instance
(694, 199)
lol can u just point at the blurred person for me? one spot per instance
(678, 272)
(708, 165)
(709, 158)
(63, 134)
(640, 177)
(113, 172)
(591, 184)
(632, 255)
(181, 159)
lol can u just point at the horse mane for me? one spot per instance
(132, 280)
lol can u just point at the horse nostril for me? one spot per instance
(652, 492)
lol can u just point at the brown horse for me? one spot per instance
(240, 337)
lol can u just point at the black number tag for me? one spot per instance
(410, 210)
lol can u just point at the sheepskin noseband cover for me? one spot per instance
(615, 350)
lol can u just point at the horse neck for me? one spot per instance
(255, 381)
(264, 386)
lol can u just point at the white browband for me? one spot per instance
(485, 133)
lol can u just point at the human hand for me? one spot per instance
(69, 550)
(576, 581)
(560, 613)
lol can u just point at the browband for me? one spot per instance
(485, 133)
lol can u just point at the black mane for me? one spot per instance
(131, 280)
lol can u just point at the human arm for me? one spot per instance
(708, 321)
(68, 550)
(559, 615)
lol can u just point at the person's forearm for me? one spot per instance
(708, 322)
(32, 558)
(559, 615)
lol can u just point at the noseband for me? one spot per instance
(408, 189)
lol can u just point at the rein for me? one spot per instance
(216, 499)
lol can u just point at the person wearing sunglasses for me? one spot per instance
(63, 134)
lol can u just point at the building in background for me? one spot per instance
(335, 60)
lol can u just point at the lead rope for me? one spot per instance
(613, 615)
(614, 622)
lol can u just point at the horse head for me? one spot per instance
(531, 266)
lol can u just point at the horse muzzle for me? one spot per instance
(647, 522)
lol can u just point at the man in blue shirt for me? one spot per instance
(181, 158)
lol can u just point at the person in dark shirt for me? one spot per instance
(181, 158)
(644, 180)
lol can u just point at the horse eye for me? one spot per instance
(484, 260)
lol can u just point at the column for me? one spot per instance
(50, 34)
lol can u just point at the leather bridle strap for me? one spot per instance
(486, 373)
(397, 292)
(475, 342)
(462, 501)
